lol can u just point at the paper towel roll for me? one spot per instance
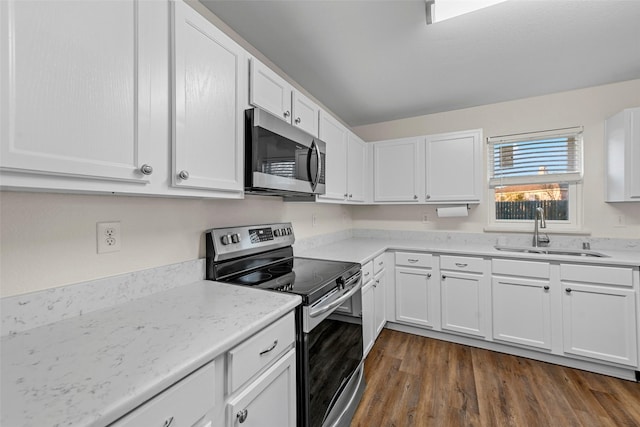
(454, 211)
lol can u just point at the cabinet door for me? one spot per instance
(335, 136)
(356, 153)
(633, 142)
(415, 297)
(208, 118)
(453, 167)
(270, 400)
(396, 170)
(269, 91)
(600, 322)
(305, 113)
(521, 311)
(380, 317)
(368, 317)
(73, 78)
(461, 295)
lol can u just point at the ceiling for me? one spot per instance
(373, 61)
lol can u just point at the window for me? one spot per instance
(539, 169)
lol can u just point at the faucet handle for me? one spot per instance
(586, 246)
(544, 239)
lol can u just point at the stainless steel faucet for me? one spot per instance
(537, 239)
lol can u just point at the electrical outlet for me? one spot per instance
(620, 221)
(314, 220)
(425, 218)
(108, 237)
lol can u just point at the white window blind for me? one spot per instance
(537, 157)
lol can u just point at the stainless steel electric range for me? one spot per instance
(330, 379)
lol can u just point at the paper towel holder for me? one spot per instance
(468, 207)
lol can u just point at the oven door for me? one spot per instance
(332, 352)
(281, 159)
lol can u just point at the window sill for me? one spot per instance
(529, 229)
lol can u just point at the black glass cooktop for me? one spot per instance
(310, 278)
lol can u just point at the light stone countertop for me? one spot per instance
(92, 369)
(362, 250)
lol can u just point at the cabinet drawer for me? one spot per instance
(378, 264)
(257, 352)
(461, 263)
(414, 259)
(184, 402)
(520, 268)
(367, 272)
(597, 274)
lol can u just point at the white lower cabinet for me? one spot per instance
(599, 321)
(270, 400)
(188, 403)
(415, 290)
(379, 290)
(368, 321)
(463, 290)
(521, 301)
(373, 302)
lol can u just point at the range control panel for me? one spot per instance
(231, 242)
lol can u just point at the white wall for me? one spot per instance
(586, 107)
(49, 240)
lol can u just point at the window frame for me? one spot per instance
(574, 223)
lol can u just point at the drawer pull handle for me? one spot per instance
(263, 352)
(242, 416)
(412, 260)
(168, 422)
(366, 274)
(461, 265)
(381, 263)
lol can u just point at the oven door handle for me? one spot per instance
(337, 302)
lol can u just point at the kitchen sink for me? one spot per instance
(551, 251)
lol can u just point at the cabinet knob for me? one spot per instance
(568, 290)
(428, 275)
(546, 288)
(444, 277)
(350, 195)
(346, 195)
(184, 175)
(428, 196)
(415, 197)
(287, 114)
(168, 422)
(146, 169)
(242, 415)
(297, 120)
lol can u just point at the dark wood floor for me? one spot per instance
(417, 381)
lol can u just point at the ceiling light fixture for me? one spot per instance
(451, 8)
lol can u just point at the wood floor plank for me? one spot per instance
(414, 381)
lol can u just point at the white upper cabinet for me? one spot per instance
(269, 91)
(453, 167)
(444, 168)
(396, 170)
(75, 79)
(346, 158)
(356, 156)
(208, 83)
(622, 145)
(335, 135)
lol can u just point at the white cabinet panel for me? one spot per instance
(622, 145)
(600, 322)
(335, 136)
(380, 317)
(415, 298)
(453, 167)
(304, 113)
(269, 91)
(522, 311)
(356, 155)
(368, 318)
(208, 119)
(74, 79)
(270, 400)
(396, 170)
(462, 309)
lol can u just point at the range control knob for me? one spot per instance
(225, 239)
(235, 238)
(289, 230)
(340, 283)
(277, 232)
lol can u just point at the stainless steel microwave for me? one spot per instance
(281, 159)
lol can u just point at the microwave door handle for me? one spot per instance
(319, 169)
(313, 148)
